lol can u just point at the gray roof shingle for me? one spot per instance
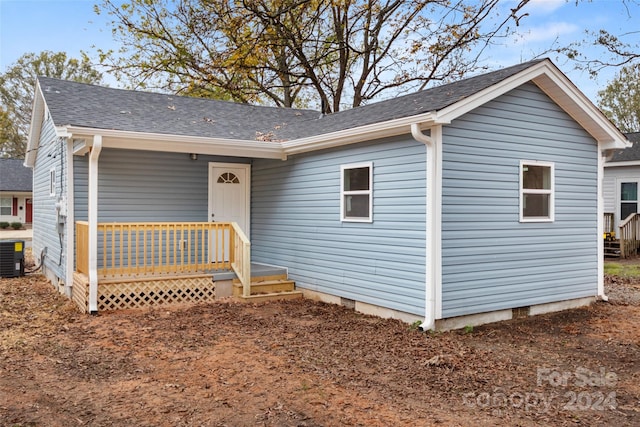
(84, 105)
(628, 154)
(14, 176)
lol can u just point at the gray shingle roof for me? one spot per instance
(79, 104)
(14, 176)
(84, 105)
(424, 101)
(629, 154)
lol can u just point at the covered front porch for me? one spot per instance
(135, 264)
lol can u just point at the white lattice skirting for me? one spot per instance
(138, 293)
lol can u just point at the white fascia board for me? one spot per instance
(478, 99)
(559, 88)
(179, 143)
(359, 134)
(37, 115)
(245, 148)
(617, 164)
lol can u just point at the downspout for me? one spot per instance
(70, 223)
(93, 223)
(601, 158)
(433, 282)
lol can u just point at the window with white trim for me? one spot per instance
(628, 198)
(52, 182)
(356, 192)
(536, 191)
(6, 206)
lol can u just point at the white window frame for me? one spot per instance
(344, 194)
(550, 191)
(619, 201)
(52, 182)
(10, 205)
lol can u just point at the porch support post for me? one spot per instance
(93, 223)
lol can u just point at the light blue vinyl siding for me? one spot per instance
(51, 153)
(296, 223)
(147, 186)
(491, 261)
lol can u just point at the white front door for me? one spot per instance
(229, 185)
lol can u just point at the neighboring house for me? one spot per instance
(456, 205)
(622, 181)
(16, 182)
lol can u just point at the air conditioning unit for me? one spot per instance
(11, 258)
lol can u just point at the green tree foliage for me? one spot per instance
(17, 87)
(620, 100)
(11, 143)
(336, 53)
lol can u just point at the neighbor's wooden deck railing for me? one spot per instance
(629, 235)
(608, 222)
(137, 249)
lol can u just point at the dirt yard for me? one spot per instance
(302, 363)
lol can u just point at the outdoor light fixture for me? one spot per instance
(193, 156)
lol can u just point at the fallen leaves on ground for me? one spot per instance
(304, 363)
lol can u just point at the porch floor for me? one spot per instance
(257, 270)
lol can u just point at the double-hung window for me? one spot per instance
(6, 206)
(536, 191)
(356, 183)
(628, 199)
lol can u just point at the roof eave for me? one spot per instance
(358, 134)
(130, 140)
(611, 164)
(245, 148)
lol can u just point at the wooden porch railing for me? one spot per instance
(82, 247)
(629, 235)
(241, 261)
(137, 249)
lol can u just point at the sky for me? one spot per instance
(72, 26)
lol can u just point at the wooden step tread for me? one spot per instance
(264, 278)
(266, 287)
(266, 282)
(273, 296)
